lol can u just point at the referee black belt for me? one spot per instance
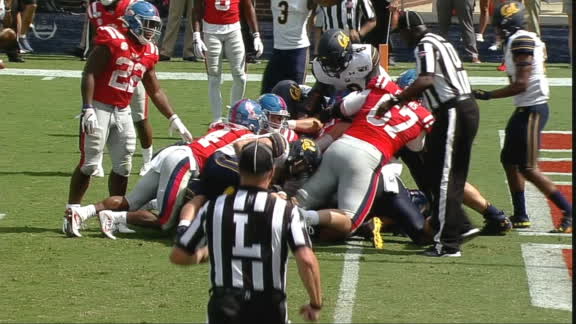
(457, 99)
(247, 294)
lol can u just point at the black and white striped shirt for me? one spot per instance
(437, 56)
(348, 15)
(248, 234)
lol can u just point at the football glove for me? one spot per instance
(258, 45)
(89, 121)
(199, 46)
(177, 125)
(482, 95)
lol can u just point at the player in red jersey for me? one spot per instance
(221, 26)
(115, 67)
(109, 13)
(352, 165)
(170, 172)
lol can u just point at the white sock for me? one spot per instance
(121, 217)
(90, 211)
(147, 154)
(311, 216)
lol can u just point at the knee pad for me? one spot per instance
(123, 168)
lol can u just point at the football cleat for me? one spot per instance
(469, 235)
(74, 222)
(520, 221)
(124, 229)
(65, 225)
(442, 251)
(108, 223)
(496, 227)
(565, 227)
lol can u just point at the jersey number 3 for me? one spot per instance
(283, 17)
(126, 80)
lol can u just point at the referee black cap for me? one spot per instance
(256, 158)
(407, 20)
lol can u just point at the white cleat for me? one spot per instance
(99, 172)
(74, 221)
(108, 223)
(65, 225)
(124, 229)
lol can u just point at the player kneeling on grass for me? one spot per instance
(167, 179)
(119, 61)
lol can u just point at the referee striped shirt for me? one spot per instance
(436, 56)
(348, 15)
(248, 234)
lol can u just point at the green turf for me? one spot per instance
(45, 277)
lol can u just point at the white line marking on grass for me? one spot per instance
(2, 215)
(563, 183)
(527, 232)
(548, 278)
(556, 132)
(558, 173)
(347, 292)
(50, 78)
(556, 150)
(555, 159)
(199, 76)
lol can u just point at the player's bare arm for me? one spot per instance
(520, 84)
(156, 93)
(368, 26)
(309, 125)
(95, 64)
(197, 15)
(249, 13)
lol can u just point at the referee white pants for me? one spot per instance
(230, 45)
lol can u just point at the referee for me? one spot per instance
(444, 84)
(248, 234)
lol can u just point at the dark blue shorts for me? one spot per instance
(219, 173)
(522, 140)
(285, 65)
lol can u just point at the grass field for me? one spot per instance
(46, 277)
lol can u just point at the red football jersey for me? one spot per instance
(397, 127)
(218, 136)
(128, 63)
(222, 12)
(289, 134)
(99, 16)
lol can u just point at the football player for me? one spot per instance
(524, 57)
(171, 170)
(352, 164)
(341, 65)
(8, 38)
(119, 61)
(290, 54)
(222, 37)
(109, 13)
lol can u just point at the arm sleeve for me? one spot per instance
(297, 233)
(523, 45)
(425, 58)
(353, 102)
(194, 237)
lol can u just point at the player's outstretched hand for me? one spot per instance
(258, 45)
(89, 120)
(310, 313)
(199, 46)
(482, 95)
(177, 125)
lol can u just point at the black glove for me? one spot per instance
(482, 95)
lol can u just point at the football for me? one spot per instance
(327, 3)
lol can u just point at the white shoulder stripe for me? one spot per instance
(110, 31)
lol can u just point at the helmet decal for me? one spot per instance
(295, 92)
(509, 9)
(343, 40)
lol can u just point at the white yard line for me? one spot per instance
(558, 173)
(556, 132)
(199, 76)
(524, 232)
(554, 159)
(48, 78)
(548, 278)
(347, 293)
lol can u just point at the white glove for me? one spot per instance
(258, 46)
(89, 121)
(199, 46)
(177, 125)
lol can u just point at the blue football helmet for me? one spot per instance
(275, 110)
(248, 113)
(407, 78)
(143, 21)
(509, 17)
